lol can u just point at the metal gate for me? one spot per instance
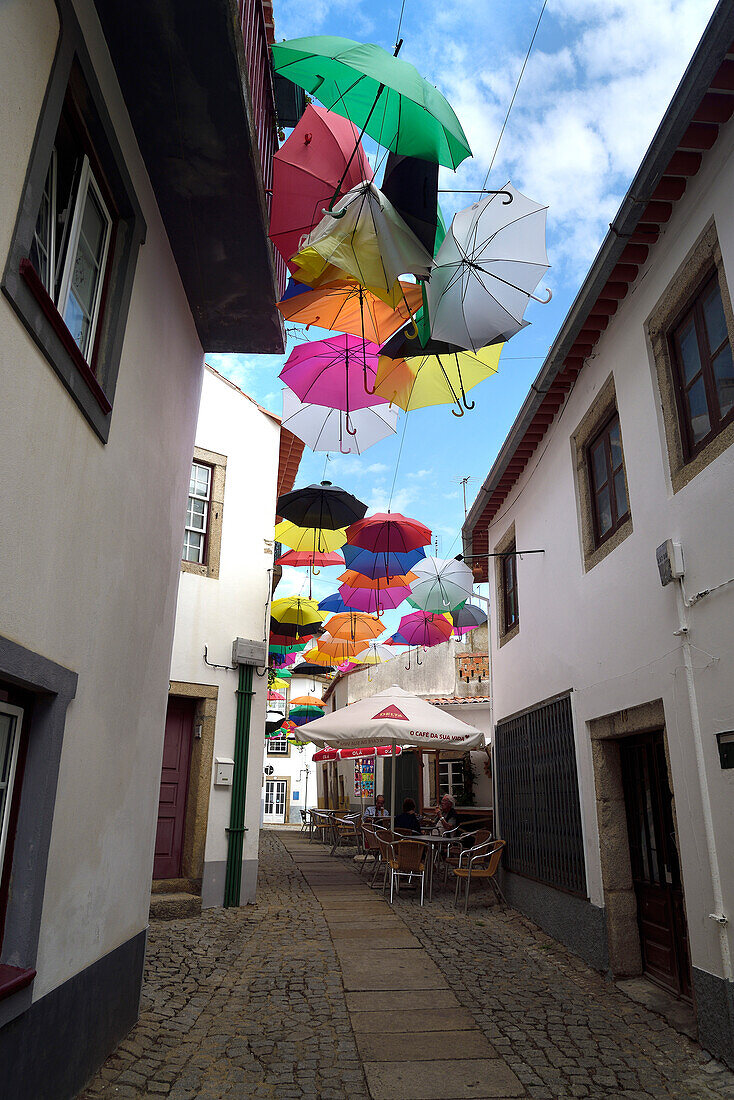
(538, 796)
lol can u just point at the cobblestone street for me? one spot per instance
(252, 1003)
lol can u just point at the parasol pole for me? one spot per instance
(392, 791)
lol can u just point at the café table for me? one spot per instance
(437, 842)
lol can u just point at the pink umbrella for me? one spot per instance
(369, 600)
(307, 170)
(275, 696)
(388, 533)
(424, 628)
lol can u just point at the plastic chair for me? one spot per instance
(480, 862)
(408, 860)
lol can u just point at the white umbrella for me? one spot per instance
(393, 717)
(324, 429)
(486, 270)
(442, 583)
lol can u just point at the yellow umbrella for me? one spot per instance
(310, 539)
(418, 381)
(296, 610)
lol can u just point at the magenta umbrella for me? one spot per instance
(370, 600)
(337, 372)
(425, 628)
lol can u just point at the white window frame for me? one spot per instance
(203, 531)
(87, 183)
(279, 741)
(17, 714)
(50, 246)
(450, 787)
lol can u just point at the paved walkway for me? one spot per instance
(322, 991)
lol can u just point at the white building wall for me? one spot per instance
(609, 634)
(302, 787)
(213, 612)
(90, 536)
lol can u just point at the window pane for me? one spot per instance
(599, 463)
(8, 724)
(93, 227)
(604, 511)
(510, 597)
(724, 378)
(688, 344)
(193, 546)
(698, 410)
(77, 322)
(196, 514)
(620, 490)
(713, 312)
(199, 483)
(615, 443)
(84, 278)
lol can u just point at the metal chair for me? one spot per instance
(304, 821)
(323, 824)
(384, 840)
(370, 847)
(479, 836)
(479, 862)
(407, 860)
(345, 831)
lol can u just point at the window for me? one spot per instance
(197, 514)
(450, 778)
(509, 588)
(278, 746)
(701, 353)
(607, 480)
(11, 720)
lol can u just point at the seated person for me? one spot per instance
(447, 819)
(378, 810)
(408, 819)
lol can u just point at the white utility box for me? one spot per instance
(225, 772)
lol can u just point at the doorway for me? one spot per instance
(407, 779)
(654, 862)
(276, 792)
(174, 788)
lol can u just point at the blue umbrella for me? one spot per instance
(380, 565)
(334, 602)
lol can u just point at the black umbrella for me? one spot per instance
(294, 630)
(309, 669)
(401, 346)
(411, 185)
(324, 507)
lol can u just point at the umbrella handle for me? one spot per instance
(366, 384)
(543, 301)
(347, 422)
(407, 667)
(417, 657)
(459, 413)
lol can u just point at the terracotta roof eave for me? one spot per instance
(696, 81)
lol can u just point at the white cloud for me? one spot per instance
(420, 474)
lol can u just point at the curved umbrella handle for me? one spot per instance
(471, 404)
(543, 301)
(459, 413)
(347, 422)
(407, 667)
(366, 384)
(417, 657)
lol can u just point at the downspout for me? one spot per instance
(236, 830)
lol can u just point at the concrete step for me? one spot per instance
(176, 886)
(174, 906)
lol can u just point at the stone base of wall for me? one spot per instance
(574, 922)
(53, 1048)
(212, 883)
(715, 1011)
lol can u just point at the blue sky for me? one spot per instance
(597, 83)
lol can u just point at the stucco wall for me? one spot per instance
(91, 534)
(608, 634)
(213, 612)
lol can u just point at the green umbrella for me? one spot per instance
(381, 94)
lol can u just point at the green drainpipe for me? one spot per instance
(236, 831)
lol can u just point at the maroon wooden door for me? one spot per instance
(174, 787)
(655, 865)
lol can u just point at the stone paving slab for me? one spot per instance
(398, 969)
(394, 1001)
(357, 919)
(442, 1080)
(423, 1047)
(373, 939)
(418, 1019)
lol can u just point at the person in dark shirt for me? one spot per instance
(408, 819)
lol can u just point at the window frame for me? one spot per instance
(11, 795)
(278, 752)
(450, 764)
(204, 559)
(694, 309)
(618, 520)
(93, 390)
(509, 555)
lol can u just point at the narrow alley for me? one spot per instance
(322, 990)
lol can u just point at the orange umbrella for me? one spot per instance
(307, 701)
(345, 306)
(378, 584)
(353, 626)
(338, 649)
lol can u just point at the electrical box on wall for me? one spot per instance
(669, 556)
(224, 771)
(247, 652)
(726, 748)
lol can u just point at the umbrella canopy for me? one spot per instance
(334, 602)
(296, 610)
(315, 659)
(363, 238)
(396, 639)
(491, 261)
(380, 565)
(323, 506)
(308, 715)
(423, 380)
(376, 584)
(298, 559)
(373, 601)
(411, 185)
(276, 697)
(334, 372)
(395, 716)
(469, 617)
(424, 628)
(324, 429)
(388, 532)
(304, 711)
(383, 95)
(287, 634)
(354, 626)
(376, 653)
(310, 540)
(338, 649)
(345, 306)
(306, 173)
(308, 701)
(280, 681)
(441, 584)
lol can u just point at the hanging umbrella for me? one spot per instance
(345, 306)
(280, 680)
(380, 565)
(289, 635)
(339, 649)
(388, 532)
(296, 712)
(296, 610)
(299, 559)
(338, 372)
(308, 701)
(324, 429)
(469, 617)
(487, 269)
(313, 658)
(362, 238)
(309, 540)
(373, 602)
(308, 715)
(423, 380)
(354, 626)
(441, 584)
(411, 185)
(376, 653)
(423, 628)
(276, 697)
(334, 602)
(383, 95)
(396, 639)
(377, 584)
(323, 506)
(307, 169)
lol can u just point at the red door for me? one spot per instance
(174, 785)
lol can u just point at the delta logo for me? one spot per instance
(391, 712)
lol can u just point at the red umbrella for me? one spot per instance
(388, 533)
(306, 172)
(372, 601)
(298, 558)
(425, 628)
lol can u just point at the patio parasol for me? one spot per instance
(421, 380)
(486, 270)
(324, 429)
(441, 584)
(323, 506)
(424, 628)
(345, 306)
(323, 150)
